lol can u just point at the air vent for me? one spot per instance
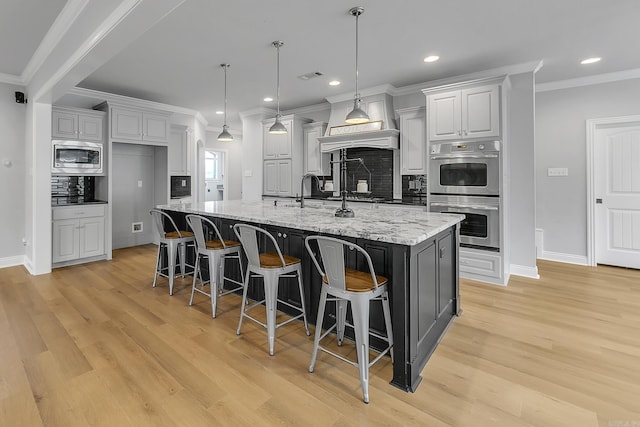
(136, 227)
(310, 76)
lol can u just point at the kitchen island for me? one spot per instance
(416, 250)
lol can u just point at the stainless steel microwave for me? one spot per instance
(77, 157)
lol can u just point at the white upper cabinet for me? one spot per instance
(278, 146)
(283, 157)
(68, 123)
(466, 113)
(413, 141)
(179, 151)
(132, 125)
(315, 162)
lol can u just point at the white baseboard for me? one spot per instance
(11, 261)
(567, 258)
(521, 270)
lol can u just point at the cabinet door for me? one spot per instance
(91, 237)
(481, 112)
(285, 186)
(90, 128)
(445, 116)
(178, 152)
(64, 125)
(314, 161)
(155, 127)
(413, 143)
(65, 240)
(126, 124)
(270, 184)
(277, 146)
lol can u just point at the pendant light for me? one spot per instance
(225, 135)
(278, 128)
(357, 115)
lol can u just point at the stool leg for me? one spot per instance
(387, 321)
(171, 249)
(244, 299)
(302, 300)
(341, 319)
(155, 276)
(360, 310)
(316, 339)
(240, 264)
(195, 274)
(271, 301)
(183, 256)
(220, 278)
(214, 260)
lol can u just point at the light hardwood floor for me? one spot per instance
(95, 344)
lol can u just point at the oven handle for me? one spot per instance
(466, 156)
(481, 208)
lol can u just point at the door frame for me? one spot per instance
(200, 166)
(592, 126)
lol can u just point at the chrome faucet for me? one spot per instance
(302, 186)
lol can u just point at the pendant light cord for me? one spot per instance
(225, 93)
(278, 44)
(357, 92)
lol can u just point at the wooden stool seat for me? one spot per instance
(178, 234)
(218, 244)
(359, 281)
(272, 260)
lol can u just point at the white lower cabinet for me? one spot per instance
(481, 265)
(78, 232)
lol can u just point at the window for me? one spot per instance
(211, 165)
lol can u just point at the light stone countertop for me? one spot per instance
(404, 226)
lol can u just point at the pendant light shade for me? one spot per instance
(278, 128)
(225, 135)
(357, 115)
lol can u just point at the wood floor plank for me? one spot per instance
(96, 344)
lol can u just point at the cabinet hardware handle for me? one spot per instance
(442, 252)
(459, 133)
(465, 133)
(284, 235)
(279, 234)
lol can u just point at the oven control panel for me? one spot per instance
(466, 147)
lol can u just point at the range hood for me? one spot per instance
(379, 107)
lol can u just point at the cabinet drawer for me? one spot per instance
(481, 263)
(71, 212)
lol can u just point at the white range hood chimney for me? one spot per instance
(379, 106)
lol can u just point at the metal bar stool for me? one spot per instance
(175, 243)
(217, 251)
(271, 266)
(344, 285)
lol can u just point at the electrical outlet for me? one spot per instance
(558, 172)
(139, 183)
(136, 227)
(248, 172)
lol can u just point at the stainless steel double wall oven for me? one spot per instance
(464, 177)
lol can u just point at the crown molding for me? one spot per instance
(11, 79)
(308, 109)
(589, 80)
(375, 90)
(526, 67)
(258, 111)
(58, 29)
(135, 102)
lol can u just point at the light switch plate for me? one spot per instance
(139, 183)
(558, 172)
(248, 173)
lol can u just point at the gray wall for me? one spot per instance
(561, 117)
(131, 203)
(521, 175)
(12, 178)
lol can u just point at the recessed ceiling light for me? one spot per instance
(431, 58)
(268, 99)
(334, 83)
(219, 112)
(590, 61)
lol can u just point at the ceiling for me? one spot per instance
(178, 61)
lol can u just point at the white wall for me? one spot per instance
(521, 181)
(252, 159)
(12, 185)
(561, 117)
(234, 153)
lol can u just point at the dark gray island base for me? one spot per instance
(417, 251)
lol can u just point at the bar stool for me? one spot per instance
(175, 243)
(346, 285)
(217, 251)
(271, 266)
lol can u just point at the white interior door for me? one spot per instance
(617, 193)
